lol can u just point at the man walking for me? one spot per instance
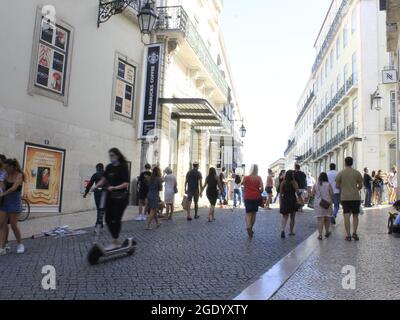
(269, 188)
(349, 181)
(367, 188)
(301, 180)
(332, 174)
(143, 189)
(310, 183)
(193, 185)
(94, 180)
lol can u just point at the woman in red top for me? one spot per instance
(253, 187)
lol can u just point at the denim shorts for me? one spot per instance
(12, 203)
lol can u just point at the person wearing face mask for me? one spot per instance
(116, 179)
(94, 180)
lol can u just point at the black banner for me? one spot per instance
(152, 83)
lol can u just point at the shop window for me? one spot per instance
(50, 67)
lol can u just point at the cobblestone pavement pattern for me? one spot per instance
(180, 260)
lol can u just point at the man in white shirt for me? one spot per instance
(310, 182)
(332, 173)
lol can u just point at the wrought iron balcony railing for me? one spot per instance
(108, 8)
(344, 134)
(351, 81)
(330, 35)
(305, 107)
(175, 18)
(290, 146)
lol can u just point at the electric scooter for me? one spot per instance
(98, 252)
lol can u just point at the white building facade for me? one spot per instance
(72, 84)
(338, 114)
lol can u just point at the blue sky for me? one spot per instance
(270, 48)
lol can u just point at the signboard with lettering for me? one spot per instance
(149, 108)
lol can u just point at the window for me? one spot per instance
(353, 21)
(332, 91)
(331, 59)
(355, 109)
(332, 128)
(354, 67)
(345, 74)
(326, 69)
(338, 48)
(338, 82)
(346, 117)
(50, 70)
(338, 123)
(392, 107)
(345, 36)
(124, 87)
(326, 134)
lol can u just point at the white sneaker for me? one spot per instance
(3, 251)
(139, 217)
(20, 248)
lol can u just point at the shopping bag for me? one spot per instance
(310, 203)
(185, 203)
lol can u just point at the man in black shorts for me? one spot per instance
(193, 185)
(349, 181)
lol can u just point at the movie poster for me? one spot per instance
(43, 168)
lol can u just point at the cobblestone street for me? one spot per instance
(181, 260)
(375, 259)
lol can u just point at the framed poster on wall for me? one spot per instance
(44, 175)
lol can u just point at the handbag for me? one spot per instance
(324, 204)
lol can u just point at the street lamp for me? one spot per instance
(147, 18)
(376, 100)
(243, 131)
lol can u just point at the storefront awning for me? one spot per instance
(200, 111)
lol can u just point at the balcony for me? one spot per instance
(290, 146)
(330, 35)
(390, 124)
(175, 21)
(310, 98)
(337, 101)
(341, 137)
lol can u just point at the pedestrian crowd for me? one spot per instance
(294, 190)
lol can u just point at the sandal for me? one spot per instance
(250, 232)
(319, 237)
(292, 234)
(283, 236)
(355, 237)
(328, 234)
(348, 238)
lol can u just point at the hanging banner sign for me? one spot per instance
(149, 108)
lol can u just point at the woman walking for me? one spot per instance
(153, 196)
(116, 178)
(253, 187)
(171, 188)
(237, 191)
(212, 184)
(10, 200)
(323, 199)
(288, 202)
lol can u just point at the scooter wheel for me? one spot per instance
(94, 255)
(131, 252)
